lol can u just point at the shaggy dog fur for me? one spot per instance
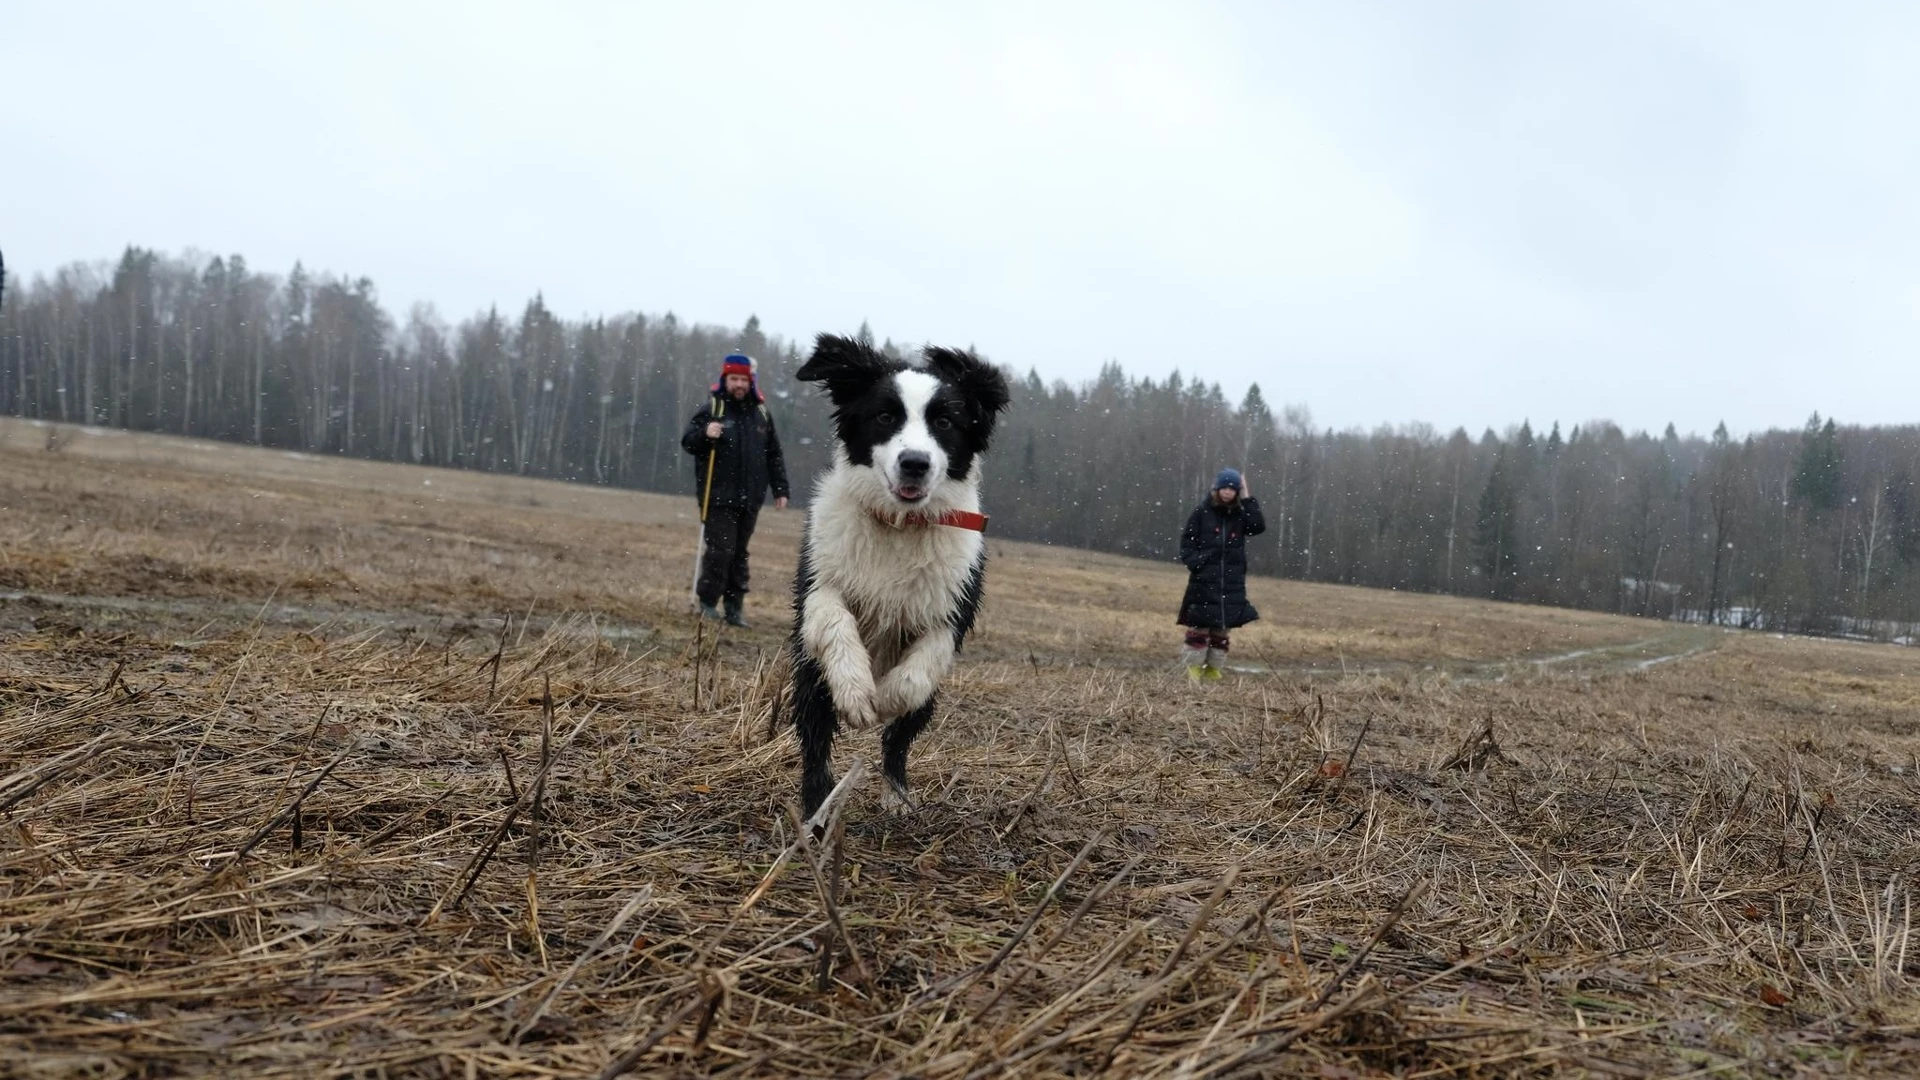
(892, 562)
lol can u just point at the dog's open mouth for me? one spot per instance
(909, 493)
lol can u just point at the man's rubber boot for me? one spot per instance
(734, 617)
(708, 611)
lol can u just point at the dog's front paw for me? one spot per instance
(901, 691)
(855, 706)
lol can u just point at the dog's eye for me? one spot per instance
(886, 419)
(944, 423)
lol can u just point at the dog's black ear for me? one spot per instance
(980, 383)
(843, 363)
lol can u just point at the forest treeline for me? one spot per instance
(1813, 530)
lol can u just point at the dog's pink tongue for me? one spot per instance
(910, 493)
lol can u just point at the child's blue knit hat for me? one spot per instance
(1228, 478)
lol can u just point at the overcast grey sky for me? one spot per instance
(1460, 213)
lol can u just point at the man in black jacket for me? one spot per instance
(736, 456)
(1214, 547)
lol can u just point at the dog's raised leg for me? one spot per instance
(896, 799)
(831, 635)
(910, 684)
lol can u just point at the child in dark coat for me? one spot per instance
(1214, 547)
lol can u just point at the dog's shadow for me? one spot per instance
(925, 823)
(965, 838)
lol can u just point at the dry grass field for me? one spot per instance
(315, 767)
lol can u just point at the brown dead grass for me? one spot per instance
(119, 514)
(260, 729)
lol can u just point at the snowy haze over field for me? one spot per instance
(1466, 213)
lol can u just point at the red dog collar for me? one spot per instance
(952, 519)
(963, 519)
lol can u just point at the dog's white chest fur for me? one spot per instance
(899, 583)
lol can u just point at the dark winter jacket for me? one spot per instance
(1214, 547)
(746, 457)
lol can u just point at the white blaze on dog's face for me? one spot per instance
(914, 431)
(911, 460)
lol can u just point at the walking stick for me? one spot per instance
(706, 498)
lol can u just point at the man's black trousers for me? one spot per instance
(723, 565)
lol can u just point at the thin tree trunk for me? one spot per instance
(186, 388)
(86, 374)
(353, 365)
(1872, 543)
(1453, 523)
(259, 377)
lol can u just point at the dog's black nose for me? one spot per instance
(914, 464)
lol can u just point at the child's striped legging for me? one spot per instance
(1205, 648)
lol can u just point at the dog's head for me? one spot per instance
(913, 428)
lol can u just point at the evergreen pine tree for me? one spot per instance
(1816, 478)
(1493, 527)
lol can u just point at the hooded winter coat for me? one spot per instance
(746, 458)
(1214, 547)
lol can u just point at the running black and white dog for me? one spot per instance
(892, 563)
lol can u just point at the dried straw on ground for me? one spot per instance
(349, 845)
